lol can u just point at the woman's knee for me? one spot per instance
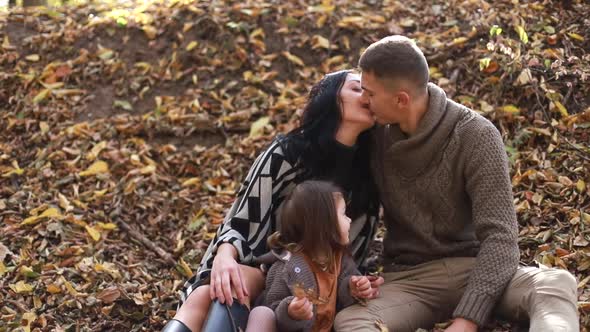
(198, 299)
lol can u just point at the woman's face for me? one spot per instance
(354, 108)
(343, 219)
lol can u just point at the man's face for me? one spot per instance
(381, 100)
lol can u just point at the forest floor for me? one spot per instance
(126, 130)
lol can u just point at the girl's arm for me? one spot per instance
(347, 270)
(278, 297)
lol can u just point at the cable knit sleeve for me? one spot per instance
(489, 189)
(278, 296)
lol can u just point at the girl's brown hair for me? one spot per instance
(309, 223)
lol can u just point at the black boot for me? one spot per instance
(225, 318)
(174, 325)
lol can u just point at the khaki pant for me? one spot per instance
(429, 293)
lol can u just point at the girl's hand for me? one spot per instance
(300, 308)
(376, 282)
(360, 287)
(226, 273)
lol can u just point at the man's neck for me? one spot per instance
(415, 115)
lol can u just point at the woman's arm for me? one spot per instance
(242, 236)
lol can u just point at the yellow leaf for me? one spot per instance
(108, 268)
(70, 288)
(106, 226)
(53, 289)
(522, 34)
(2, 269)
(192, 45)
(575, 36)
(99, 193)
(150, 31)
(17, 170)
(191, 181)
(510, 109)
(318, 41)
(560, 108)
(293, 58)
(26, 320)
(64, 203)
(94, 234)
(49, 213)
(96, 149)
(257, 127)
(150, 169)
(44, 127)
(97, 168)
(6, 43)
(21, 287)
(459, 40)
(334, 60)
(351, 21)
(33, 57)
(581, 186)
(185, 269)
(41, 96)
(321, 9)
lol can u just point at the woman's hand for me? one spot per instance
(360, 287)
(300, 308)
(226, 276)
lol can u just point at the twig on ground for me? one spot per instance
(147, 242)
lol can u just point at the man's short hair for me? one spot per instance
(394, 58)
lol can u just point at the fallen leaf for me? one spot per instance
(21, 287)
(109, 295)
(257, 128)
(293, 58)
(98, 167)
(94, 234)
(49, 213)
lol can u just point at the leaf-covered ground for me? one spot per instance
(126, 130)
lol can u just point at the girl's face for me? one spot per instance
(343, 219)
(355, 110)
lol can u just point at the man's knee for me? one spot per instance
(556, 282)
(353, 318)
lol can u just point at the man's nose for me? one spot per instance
(365, 101)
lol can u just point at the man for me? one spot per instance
(451, 248)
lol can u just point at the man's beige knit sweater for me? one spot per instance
(446, 192)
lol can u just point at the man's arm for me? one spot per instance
(490, 191)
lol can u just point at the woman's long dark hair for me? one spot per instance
(316, 134)
(309, 223)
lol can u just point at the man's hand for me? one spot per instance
(360, 287)
(300, 309)
(462, 325)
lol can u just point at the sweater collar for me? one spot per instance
(412, 155)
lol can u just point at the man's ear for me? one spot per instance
(402, 98)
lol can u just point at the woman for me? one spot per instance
(331, 144)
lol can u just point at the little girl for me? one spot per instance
(315, 276)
